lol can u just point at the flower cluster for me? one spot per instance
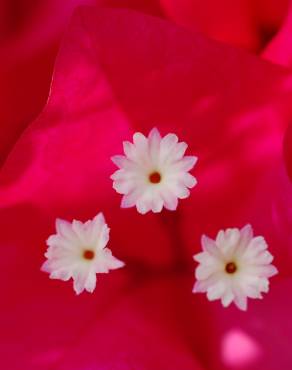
(233, 267)
(78, 250)
(154, 173)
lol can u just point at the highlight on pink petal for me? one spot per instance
(204, 103)
(263, 117)
(287, 83)
(154, 172)
(219, 170)
(267, 144)
(239, 349)
(48, 357)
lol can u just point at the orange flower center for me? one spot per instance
(230, 267)
(88, 254)
(155, 177)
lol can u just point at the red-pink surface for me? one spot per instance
(119, 71)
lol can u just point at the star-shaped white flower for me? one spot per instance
(234, 267)
(78, 251)
(154, 172)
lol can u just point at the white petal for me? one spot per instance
(200, 257)
(229, 242)
(58, 241)
(80, 279)
(111, 261)
(98, 220)
(189, 180)
(154, 134)
(268, 270)
(46, 267)
(90, 283)
(199, 287)
(129, 200)
(241, 302)
(119, 175)
(157, 204)
(246, 233)
(209, 245)
(77, 227)
(186, 163)
(167, 145)
(227, 298)
(257, 244)
(143, 206)
(264, 257)
(121, 161)
(216, 291)
(103, 238)
(203, 272)
(64, 228)
(179, 151)
(140, 141)
(130, 151)
(170, 200)
(181, 191)
(61, 274)
(154, 144)
(123, 186)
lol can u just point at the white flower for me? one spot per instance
(234, 267)
(154, 172)
(78, 250)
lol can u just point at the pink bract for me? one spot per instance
(120, 71)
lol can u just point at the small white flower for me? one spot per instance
(154, 172)
(233, 267)
(78, 250)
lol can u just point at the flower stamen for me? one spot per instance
(155, 177)
(230, 268)
(88, 254)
